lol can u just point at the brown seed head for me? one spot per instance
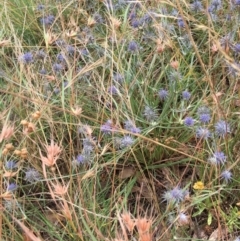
(7, 132)
(128, 221)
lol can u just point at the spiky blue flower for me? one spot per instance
(88, 145)
(117, 77)
(222, 128)
(226, 175)
(236, 48)
(126, 141)
(113, 90)
(57, 67)
(27, 58)
(218, 158)
(189, 121)
(136, 23)
(150, 114)
(107, 127)
(215, 6)
(203, 110)
(60, 57)
(12, 187)
(175, 195)
(32, 175)
(130, 126)
(163, 94)
(70, 50)
(180, 22)
(175, 76)
(196, 6)
(203, 133)
(186, 95)
(81, 159)
(40, 54)
(47, 20)
(205, 118)
(133, 46)
(11, 165)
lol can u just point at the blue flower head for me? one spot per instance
(32, 175)
(107, 127)
(150, 114)
(12, 187)
(133, 46)
(175, 195)
(205, 118)
(130, 126)
(11, 165)
(222, 128)
(163, 94)
(118, 78)
(27, 58)
(196, 6)
(113, 90)
(180, 23)
(47, 20)
(218, 158)
(126, 141)
(203, 133)
(189, 121)
(186, 95)
(226, 175)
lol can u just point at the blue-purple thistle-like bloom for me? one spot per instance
(133, 46)
(203, 133)
(40, 7)
(107, 127)
(60, 57)
(118, 78)
(126, 141)
(130, 126)
(70, 50)
(236, 48)
(237, 2)
(222, 128)
(47, 20)
(43, 71)
(32, 175)
(88, 145)
(175, 76)
(10, 165)
(57, 67)
(186, 95)
(215, 5)
(40, 54)
(218, 158)
(113, 90)
(203, 110)
(136, 23)
(226, 175)
(26, 58)
(196, 6)
(81, 159)
(180, 23)
(175, 195)
(12, 187)
(150, 114)
(163, 94)
(205, 118)
(189, 121)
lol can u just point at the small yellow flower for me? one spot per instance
(198, 185)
